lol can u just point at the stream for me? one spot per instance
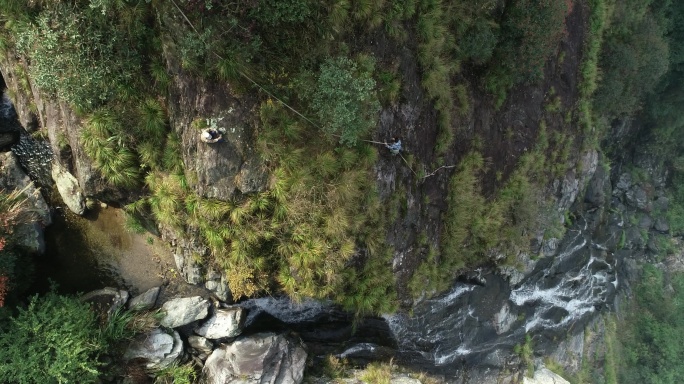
(477, 322)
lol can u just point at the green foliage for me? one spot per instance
(344, 100)
(176, 374)
(635, 56)
(82, 55)
(54, 340)
(377, 373)
(654, 330)
(530, 33)
(277, 13)
(526, 353)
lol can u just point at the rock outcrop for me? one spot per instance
(265, 358)
(12, 177)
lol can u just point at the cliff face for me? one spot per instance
(484, 313)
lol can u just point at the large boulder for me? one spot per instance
(182, 311)
(157, 348)
(69, 189)
(29, 235)
(258, 359)
(106, 300)
(145, 300)
(226, 322)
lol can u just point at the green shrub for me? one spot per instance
(54, 340)
(81, 55)
(344, 100)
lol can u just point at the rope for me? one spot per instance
(243, 74)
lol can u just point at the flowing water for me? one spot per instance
(480, 320)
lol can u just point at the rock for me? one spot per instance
(218, 284)
(182, 311)
(645, 222)
(202, 345)
(661, 225)
(223, 169)
(68, 188)
(12, 177)
(253, 176)
(544, 376)
(598, 189)
(226, 322)
(569, 352)
(503, 320)
(623, 184)
(107, 300)
(638, 198)
(261, 358)
(145, 300)
(158, 348)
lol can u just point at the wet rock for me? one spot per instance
(182, 311)
(637, 197)
(645, 222)
(202, 345)
(226, 322)
(504, 319)
(661, 225)
(569, 352)
(259, 359)
(107, 300)
(599, 187)
(544, 376)
(623, 184)
(145, 300)
(68, 188)
(158, 348)
(12, 177)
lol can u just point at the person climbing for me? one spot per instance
(394, 146)
(211, 135)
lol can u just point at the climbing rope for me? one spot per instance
(244, 75)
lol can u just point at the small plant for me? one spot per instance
(526, 353)
(377, 373)
(176, 374)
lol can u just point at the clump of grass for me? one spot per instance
(377, 373)
(526, 353)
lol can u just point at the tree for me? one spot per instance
(344, 100)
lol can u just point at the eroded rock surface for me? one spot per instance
(226, 322)
(259, 359)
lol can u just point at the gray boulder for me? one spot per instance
(182, 311)
(69, 189)
(226, 322)
(661, 225)
(145, 300)
(158, 348)
(202, 345)
(637, 197)
(106, 300)
(12, 177)
(258, 359)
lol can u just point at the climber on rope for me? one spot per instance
(211, 136)
(394, 146)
